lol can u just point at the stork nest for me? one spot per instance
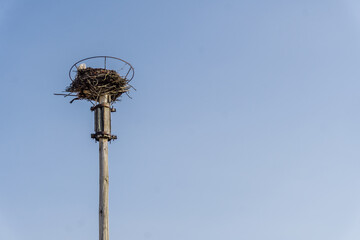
(91, 83)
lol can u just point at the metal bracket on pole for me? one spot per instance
(102, 121)
(99, 135)
(112, 109)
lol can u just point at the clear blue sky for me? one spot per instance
(245, 125)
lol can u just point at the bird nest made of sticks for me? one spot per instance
(91, 83)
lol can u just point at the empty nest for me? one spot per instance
(91, 83)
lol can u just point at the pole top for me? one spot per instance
(94, 77)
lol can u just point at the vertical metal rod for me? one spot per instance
(104, 177)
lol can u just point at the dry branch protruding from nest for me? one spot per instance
(91, 83)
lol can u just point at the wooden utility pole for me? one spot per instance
(102, 87)
(104, 171)
(102, 114)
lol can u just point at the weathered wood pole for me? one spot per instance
(104, 173)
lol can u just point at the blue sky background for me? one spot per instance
(245, 125)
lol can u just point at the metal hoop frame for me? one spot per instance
(131, 70)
